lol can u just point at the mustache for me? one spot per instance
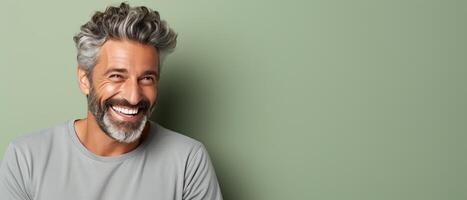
(142, 104)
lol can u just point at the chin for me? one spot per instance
(120, 132)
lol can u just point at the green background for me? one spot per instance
(325, 99)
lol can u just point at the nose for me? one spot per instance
(131, 91)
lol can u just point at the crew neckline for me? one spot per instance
(77, 143)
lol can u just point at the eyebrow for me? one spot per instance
(123, 70)
(150, 72)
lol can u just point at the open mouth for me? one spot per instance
(124, 113)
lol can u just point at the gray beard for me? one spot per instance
(124, 135)
(123, 132)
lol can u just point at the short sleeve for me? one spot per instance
(13, 175)
(200, 178)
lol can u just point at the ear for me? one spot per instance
(83, 81)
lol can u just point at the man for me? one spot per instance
(115, 152)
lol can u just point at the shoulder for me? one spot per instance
(169, 141)
(28, 152)
(172, 136)
(39, 141)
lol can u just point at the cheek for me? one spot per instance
(151, 94)
(107, 90)
(110, 89)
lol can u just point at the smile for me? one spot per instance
(127, 114)
(126, 111)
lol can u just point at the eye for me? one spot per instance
(148, 79)
(115, 77)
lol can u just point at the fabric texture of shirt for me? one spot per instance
(52, 164)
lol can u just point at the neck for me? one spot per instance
(97, 142)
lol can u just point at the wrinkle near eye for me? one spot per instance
(108, 85)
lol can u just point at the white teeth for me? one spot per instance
(127, 111)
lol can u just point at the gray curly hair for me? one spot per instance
(124, 22)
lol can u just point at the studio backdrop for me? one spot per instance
(294, 99)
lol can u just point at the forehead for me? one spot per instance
(130, 55)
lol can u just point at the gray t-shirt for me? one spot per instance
(53, 165)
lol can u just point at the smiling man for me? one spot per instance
(115, 152)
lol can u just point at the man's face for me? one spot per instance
(123, 88)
